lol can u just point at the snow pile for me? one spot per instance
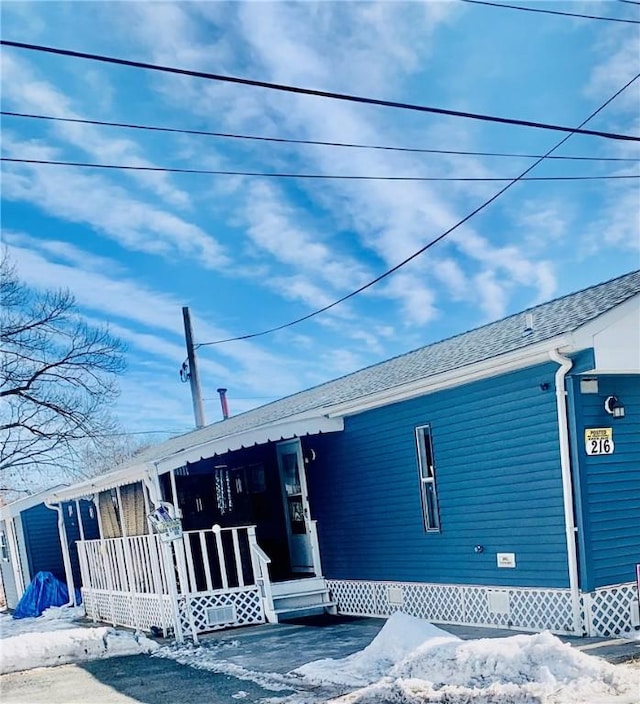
(53, 619)
(399, 668)
(400, 635)
(52, 639)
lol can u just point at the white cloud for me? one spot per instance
(72, 194)
(27, 93)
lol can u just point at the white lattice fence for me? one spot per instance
(608, 610)
(502, 607)
(139, 611)
(239, 607)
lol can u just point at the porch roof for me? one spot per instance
(166, 459)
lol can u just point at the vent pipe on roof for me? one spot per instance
(528, 324)
(224, 403)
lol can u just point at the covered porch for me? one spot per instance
(247, 551)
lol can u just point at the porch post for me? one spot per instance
(174, 494)
(185, 590)
(96, 503)
(170, 573)
(80, 525)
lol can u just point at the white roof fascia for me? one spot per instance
(307, 423)
(512, 361)
(120, 477)
(19, 505)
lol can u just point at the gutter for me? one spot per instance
(64, 544)
(567, 485)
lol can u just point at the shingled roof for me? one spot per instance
(552, 319)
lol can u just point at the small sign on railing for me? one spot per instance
(168, 528)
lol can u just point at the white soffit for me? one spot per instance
(285, 430)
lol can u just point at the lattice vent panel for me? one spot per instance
(608, 610)
(246, 603)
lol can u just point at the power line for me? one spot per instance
(310, 91)
(551, 12)
(630, 2)
(313, 142)
(430, 244)
(325, 177)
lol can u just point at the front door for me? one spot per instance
(296, 503)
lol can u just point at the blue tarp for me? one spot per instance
(44, 591)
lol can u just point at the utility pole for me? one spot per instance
(194, 379)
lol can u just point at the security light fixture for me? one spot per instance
(614, 407)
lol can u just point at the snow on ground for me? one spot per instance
(521, 669)
(54, 639)
(411, 661)
(399, 637)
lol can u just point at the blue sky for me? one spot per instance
(246, 253)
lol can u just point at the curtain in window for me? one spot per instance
(132, 509)
(109, 514)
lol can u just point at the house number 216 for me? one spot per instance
(601, 445)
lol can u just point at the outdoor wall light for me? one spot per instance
(478, 549)
(614, 407)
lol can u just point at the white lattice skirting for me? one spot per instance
(612, 610)
(501, 607)
(209, 611)
(139, 611)
(606, 612)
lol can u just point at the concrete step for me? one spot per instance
(315, 608)
(317, 597)
(298, 586)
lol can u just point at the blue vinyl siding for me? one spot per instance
(42, 542)
(497, 470)
(44, 554)
(609, 486)
(72, 527)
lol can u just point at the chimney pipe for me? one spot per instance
(223, 403)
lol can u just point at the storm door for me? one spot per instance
(296, 504)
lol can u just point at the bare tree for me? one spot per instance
(57, 380)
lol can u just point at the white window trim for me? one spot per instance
(426, 474)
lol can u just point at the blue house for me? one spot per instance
(30, 542)
(492, 478)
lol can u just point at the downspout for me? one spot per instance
(567, 485)
(62, 534)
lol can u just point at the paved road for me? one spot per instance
(127, 680)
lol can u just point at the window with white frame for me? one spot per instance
(427, 479)
(4, 548)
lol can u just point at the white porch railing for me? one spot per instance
(207, 580)
(125, 582)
